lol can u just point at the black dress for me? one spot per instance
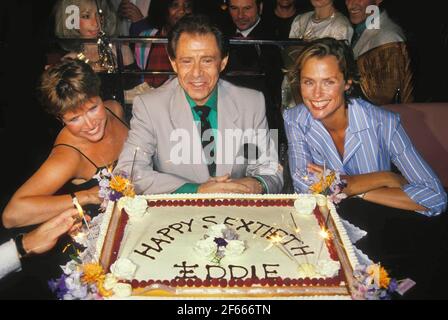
(32, 281)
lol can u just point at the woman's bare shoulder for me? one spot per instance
(115, 107)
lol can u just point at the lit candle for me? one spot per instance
(325, 235)
(297, 231)
(81, 212)
(275, 240)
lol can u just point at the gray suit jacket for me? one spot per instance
(163, 150)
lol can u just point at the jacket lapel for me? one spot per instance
(323, 145)
(357, 123)
(227, 117)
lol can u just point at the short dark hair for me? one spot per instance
(258, 2)
(68, 85)
(196, 24)
(324, 47)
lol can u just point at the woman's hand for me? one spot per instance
(90, 196)
(312, 167)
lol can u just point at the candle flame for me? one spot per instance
(324, 234)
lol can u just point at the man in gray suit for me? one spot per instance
(197, 133)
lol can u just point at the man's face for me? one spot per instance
(198, 63)
(244, 13)
(357, 9)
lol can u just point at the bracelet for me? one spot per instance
(18, 240)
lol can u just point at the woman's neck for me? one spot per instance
(324, 12)
(285, 11)
(90, 50)
(338, 121)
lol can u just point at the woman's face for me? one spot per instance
(89, 24)
(88, 121)
(321, 3)
(322, 85)
(177, 10)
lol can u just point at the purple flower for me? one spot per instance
(115, 196)
(393, 285)
(220, 242)
(58, 286)
(104, 183)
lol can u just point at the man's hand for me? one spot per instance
(253, 184)
(130, 11)
(222, 184)
(46, 235)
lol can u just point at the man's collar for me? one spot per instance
(246, 32)
(362, 26)
(212, 101)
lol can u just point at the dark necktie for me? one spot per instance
(355, 39)
(207, 138)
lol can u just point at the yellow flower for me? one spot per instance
(384, 278)
(329, 179)
(317, 187)
(119, 184)
(93, 273)
(129, 191)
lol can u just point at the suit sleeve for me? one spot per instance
(266, 167)
(136, 159)
(10, 261)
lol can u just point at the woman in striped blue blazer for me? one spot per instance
(361, 141)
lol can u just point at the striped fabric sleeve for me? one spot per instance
(298, 153)
(424, 187)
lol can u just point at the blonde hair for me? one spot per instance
(108, 23)
(68, 85)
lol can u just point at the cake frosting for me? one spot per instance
(228, 245)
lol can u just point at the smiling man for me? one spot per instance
(197, 117)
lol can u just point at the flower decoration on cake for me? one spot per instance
(89, 281)
(374, 283)
(305, 204)
(327, 183)
(113, 186)
(220, 241)
(135, 207)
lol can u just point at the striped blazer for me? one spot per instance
(375, 138)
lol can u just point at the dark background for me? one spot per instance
(27, 133)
